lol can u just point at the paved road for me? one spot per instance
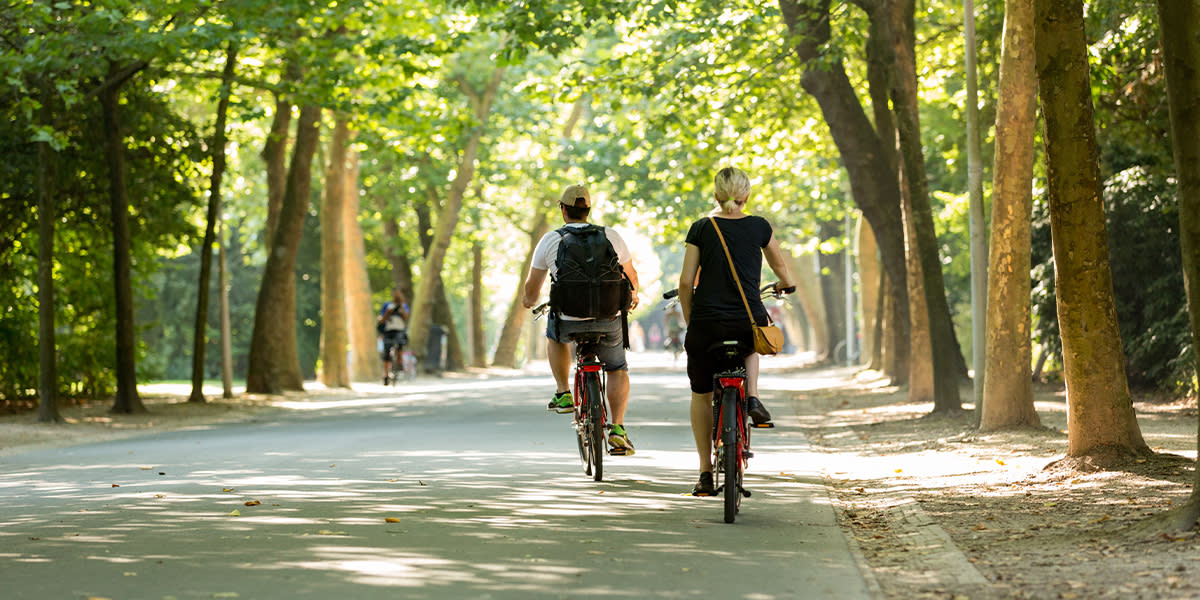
(486, 488)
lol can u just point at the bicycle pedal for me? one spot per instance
(745, 492)
(767, 425)
(748, 454)
(617, 451)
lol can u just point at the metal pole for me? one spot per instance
(979, 249)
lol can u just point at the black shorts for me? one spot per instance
(393, 338)
(702, 364)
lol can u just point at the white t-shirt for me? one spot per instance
(546, 253)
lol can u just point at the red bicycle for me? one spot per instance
(591, 407)
(731, 421)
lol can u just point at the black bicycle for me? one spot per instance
(731, 420)
(591, 408)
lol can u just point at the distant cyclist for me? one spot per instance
(558, 254)
(715, 311)
(393, 327)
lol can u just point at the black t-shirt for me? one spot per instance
(717, 298)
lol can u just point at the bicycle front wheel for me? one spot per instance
(595, 426)
(730, 433)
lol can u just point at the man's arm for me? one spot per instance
(533, 287)
(687, 280)
(631, 273)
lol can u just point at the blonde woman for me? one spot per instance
(714, 310)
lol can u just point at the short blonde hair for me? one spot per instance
(732, 186)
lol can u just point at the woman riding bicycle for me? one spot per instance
(714, 310)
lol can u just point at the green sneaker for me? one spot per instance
(562, 403)
(619, 439)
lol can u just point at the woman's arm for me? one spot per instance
(688, 277)
(775, 260)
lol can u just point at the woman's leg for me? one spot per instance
(702, 429)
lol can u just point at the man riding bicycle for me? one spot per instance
(393, 327)
(566, 318)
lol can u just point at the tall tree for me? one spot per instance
(274, 362)
(1100, 420)
(478, 343)
(514, 323)
(127, 399)
(334, 335)
(943, 343)
(858, 144)
(481, 102)
(200, 337)
(360, 319)
(47, 177)
(1008, 387)
(1179, 22)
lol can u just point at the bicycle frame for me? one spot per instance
(730, 438)
(591, 411)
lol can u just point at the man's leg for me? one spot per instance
(702, 424)
(618, 395)
(559, 355)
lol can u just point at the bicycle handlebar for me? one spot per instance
(770, 290)
(540, 310)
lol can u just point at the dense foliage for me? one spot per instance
(666, 91)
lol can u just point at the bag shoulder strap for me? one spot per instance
(737, 282)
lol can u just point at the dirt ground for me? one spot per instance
(935, 509)
(912, 488)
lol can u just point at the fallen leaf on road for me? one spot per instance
(999, 462)
(115, 485)
(252, 503)
(392, 520)
(235, 513)
(328, 532)
(226, 489)
(899, 470)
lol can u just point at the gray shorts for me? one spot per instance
(612, 345)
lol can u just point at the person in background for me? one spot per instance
(393, 328)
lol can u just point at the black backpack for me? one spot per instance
(589, 282)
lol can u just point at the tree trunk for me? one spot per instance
(858, 144)
(921, 386)
(200, 334)
(47, 354)
(334, 336)
(401, 265)
(274, 155)
(812, 302)
(127, 400)
(832, 275)
(442, 315)
(870, 292)
(448, 219)
(514, 322)
(360, 312)
(948, 365)
(478, 342)
(274, 361)
(1100, 420)
(1180, 26)
(226, 325)
(1008, 387)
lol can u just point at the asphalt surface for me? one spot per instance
(439, 489)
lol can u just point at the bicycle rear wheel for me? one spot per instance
(595, 425)
(730, 432)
